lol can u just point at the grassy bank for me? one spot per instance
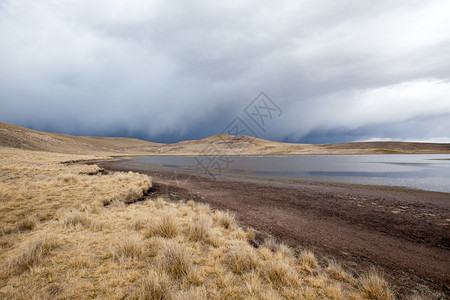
(67, 232)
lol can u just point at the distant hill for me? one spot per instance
(24, 138)
(223, 144)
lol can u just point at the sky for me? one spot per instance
(310, 71)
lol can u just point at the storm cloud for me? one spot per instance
(173, 70)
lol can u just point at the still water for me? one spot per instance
(418, 171)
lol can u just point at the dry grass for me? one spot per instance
(196, 293)
(242, 257)
(176, 259)
(307, 259)
(59, 241)
(336, 272)
(34, 186)
(128, 247)
(154, 286)
(75, 217)
(373, 286)
(33, 252)
(334, 291)
(165, 225)
(199, 230)
(225, 219)
(281, 274)
(28, 223)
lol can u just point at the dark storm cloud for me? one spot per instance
(171, 70)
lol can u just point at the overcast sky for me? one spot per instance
(172, 70)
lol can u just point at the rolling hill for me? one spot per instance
(18, 137)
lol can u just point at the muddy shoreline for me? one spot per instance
(405, 233)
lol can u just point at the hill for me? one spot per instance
(223, 144)
(27, 139)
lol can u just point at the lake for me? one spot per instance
(419, 171)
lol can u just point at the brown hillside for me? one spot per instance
(223, 144)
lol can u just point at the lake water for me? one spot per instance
(418, 171)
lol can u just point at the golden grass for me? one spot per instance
(128, 247)
(58, 240)
(154, 286)
(281, 274)
(225, 219)
(76, 217)
(373, 286)
(33, 252)
(242, 257)
(176, 259)
(199, 230)
(28, 223)
(307, 259)
(165, 225)
(336, 271)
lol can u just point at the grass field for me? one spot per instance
(67, 232)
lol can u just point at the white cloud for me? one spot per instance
(441, 139)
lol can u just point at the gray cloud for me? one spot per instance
(171, 70)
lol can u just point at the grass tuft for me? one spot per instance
(75, 217)
(115, 203)
(307, 259)
(242, 258)
(334, 291)
(33, 252)
(176, 259)
(373, 286)
(128, 247)
(154, 286)
(28, 223)
(195, 293)
(280, 273)
(225, 219)
(199, 229)
(271, 244)
(165, 226)
(336, 272)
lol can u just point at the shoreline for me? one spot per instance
(402, 231)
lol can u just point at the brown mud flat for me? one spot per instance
(403, 232)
